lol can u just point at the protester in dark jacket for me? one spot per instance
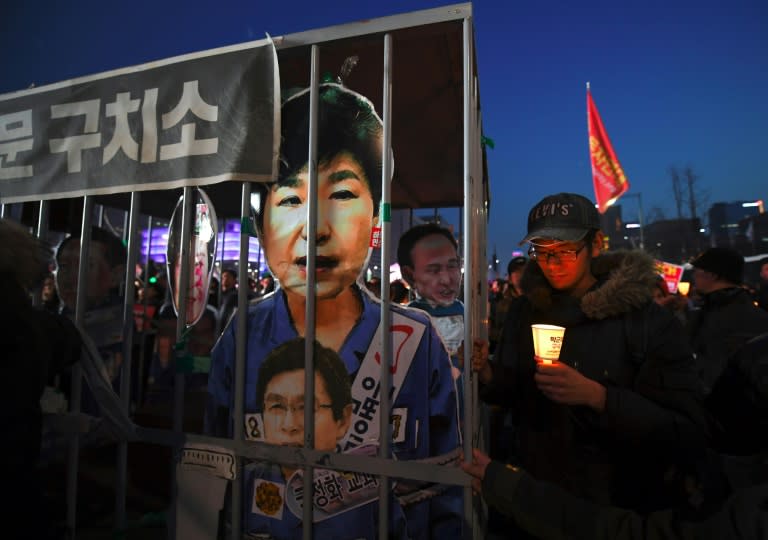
(727, 317)
(607, 420)
(738, 402)
(548, 512)
(35, 345)
(731, 501)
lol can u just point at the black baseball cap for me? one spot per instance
(724, 262)
(567, 217)
(515, 263)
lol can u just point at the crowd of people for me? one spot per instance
(651, 423)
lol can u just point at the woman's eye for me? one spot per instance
(343, 195)
(291, 200)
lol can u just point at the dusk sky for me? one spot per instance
(676, 82)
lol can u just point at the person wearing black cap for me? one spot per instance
(607, 420)
(728, 317)
(511, 291)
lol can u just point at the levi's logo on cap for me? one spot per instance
(551, 209)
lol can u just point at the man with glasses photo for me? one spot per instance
(344, 502)
(621, 405)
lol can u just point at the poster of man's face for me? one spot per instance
(436, 270)
(284, 412)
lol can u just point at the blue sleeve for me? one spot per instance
(218, 403)
(446, 509)
(443, 410)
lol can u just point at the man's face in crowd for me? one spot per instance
(515, 277)
(227, 281)
(49, 289)
(563, 272)
(703, 280)
(284, 412)
(344, 222)
(100, 279)
(764, 272)
(436, 272)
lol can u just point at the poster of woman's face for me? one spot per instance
(349, 187)
(345, 219)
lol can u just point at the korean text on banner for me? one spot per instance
(192, 120)
(607, 175)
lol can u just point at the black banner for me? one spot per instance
(197, 119)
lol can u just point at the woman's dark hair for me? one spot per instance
(289, 356)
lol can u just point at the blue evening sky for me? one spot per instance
(676, 82)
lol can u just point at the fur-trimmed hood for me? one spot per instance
(625, 281)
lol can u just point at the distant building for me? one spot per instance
(752, 237)
(675, 240)
(725, 219)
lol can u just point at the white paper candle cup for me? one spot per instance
(547, 340)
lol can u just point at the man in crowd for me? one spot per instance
(228, 296)
(728, 504)
(104, 301)
(511, 291)
(621, 405)
(727, 317)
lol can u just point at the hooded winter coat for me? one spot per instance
(616, 335)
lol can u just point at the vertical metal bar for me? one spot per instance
(42, 220)
(241, 344)
(309, 326)
(142, 352)
(481, 310)
(469, 274)
(221, 269)
(3, 209)
(100, 214)
(641, 220)
(125, 378)
(187, 217)
(386, 336)
(77, 369)
(42, 234)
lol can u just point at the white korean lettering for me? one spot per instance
(17, 129)
(149, 121)
(75, 144)
(121, 138)
(189, 146)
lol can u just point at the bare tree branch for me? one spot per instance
(677, 190)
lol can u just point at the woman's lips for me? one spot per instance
(322, 263)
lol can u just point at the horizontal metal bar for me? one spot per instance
(299, 457)
(455, 12)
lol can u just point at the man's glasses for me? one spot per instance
(559, 256)
(279, 409)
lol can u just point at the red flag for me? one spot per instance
(607, 175)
